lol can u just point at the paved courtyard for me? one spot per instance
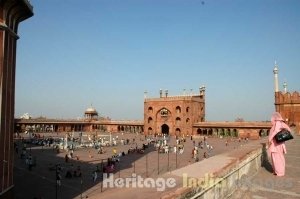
(40, 181)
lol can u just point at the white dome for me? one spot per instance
(90, 110)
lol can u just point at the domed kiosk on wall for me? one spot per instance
(91, 114)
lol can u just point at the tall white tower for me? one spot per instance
(285, 87)
(275, 71)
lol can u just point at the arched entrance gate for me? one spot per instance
(165, 129)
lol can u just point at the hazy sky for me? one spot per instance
(74, 53)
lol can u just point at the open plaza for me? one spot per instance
(130, 154)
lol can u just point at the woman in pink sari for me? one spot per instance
(277, 150)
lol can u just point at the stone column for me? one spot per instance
(12, 12)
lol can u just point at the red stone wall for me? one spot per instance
(251, 134)
(182, 113)
(288, 105)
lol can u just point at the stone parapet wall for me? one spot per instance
(288, 97)
(220, 181)
(229, 178)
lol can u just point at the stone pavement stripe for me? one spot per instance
(258, 197)
(293, 150)
(284, 192)
(292, 167)
(292, 156)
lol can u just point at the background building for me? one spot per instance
(174, 115)
(91, 114)
(91, 123)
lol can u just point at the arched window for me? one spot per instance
(150, 110)
(199, 131)
(178, 120)
(150, 120)
(187, 109)
(210, 131)
(187, 120)
(178, 109)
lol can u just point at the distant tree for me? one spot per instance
(25, 116)
(239, 119)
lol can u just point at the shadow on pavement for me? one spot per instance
(265, 160)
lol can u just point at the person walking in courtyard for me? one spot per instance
(115, 151)
(66, 158)
(58, 177)
(16, 148)
(277, 150)
(95, 176)
(175, 149)
(195, 152)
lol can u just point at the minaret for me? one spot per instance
(285, 87)
(202, 90)
(275, 71)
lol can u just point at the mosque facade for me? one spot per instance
(174, 115)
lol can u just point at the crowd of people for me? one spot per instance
(201, 149)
